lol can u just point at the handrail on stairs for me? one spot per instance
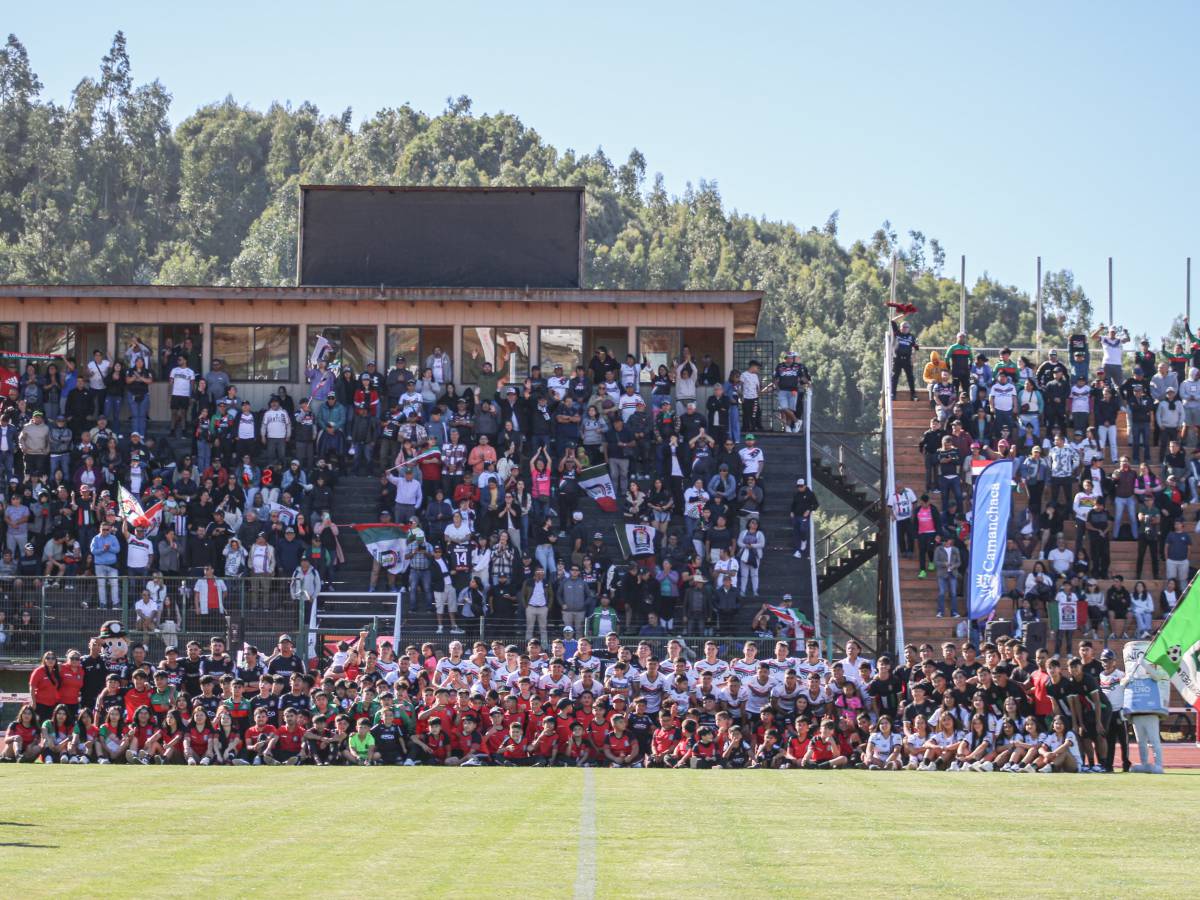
(831, 544)
(848, 462)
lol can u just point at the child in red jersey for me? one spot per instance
(797, 745)
(261, 738)
(496, 733)
(545, 745)
(139, 737)
(620, 749)
(515, 751)
(579, 749)
(289, 740)
(433, 747)
(467, 745)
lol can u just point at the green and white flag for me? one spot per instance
(598, 484)
(386, 543)
(1177, 646)
(636, 539)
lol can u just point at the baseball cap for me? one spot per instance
(800, 481)
(286, 637)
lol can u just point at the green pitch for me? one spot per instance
(117, 831)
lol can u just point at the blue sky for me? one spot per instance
(1067, 130)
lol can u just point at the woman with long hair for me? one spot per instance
(197, 746)
(942, 749)
(170, 738)
(137, 388)
(22, 740)
(226, 742)
(976, 750)
(56, 736)
(1058, 750)
(140, 737)
(111, 742)
(83, 737)
(114, 396)
(915, 743)
(45, 681)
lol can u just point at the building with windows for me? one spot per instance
(264, 335)
(385, 272)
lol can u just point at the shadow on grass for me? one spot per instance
(28, 845)
(20, 825)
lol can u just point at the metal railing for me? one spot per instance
(62, 613)
(847, 461)
(833, 546)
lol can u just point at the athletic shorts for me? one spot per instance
(441, 600)
(284, 755)
(181, 402)
(787, 399)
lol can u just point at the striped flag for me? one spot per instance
(287, 515)
(598, 483)
(794, 623)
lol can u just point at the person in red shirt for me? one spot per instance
(261, 739)
(579, 750)
(496, 733)
(666, 738)
(289, 740)
(514, 751)
(702, 754)
(797, 745)
(467, 745)
(72, 684)
(140, 736)
(22, 742)
(196, 749)
(619, 748)
(44, 684)
(138, 695)
(433, 747)
(545, 746)
(824, 750)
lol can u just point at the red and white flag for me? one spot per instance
(598, 483)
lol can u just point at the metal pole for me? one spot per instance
(1110, 302)
(1188, 306)
(895, 270)
(962, 295)
(1038, 344)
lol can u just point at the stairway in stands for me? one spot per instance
(919, 596)
(355, 501)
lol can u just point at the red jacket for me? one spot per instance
(72, 684)
(42, 688)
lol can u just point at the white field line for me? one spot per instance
(585, 872)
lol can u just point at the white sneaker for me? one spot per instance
(798, 554)
(49, 760)
(439, 629)
(457, 630)
(985, 767)
(206, 761)
(104, 761)
(410, 762)
(1046, 769)
(1029, 767)
(955, 767)
(240, 762)
(258, 760)
(143, 759)
(82, 760)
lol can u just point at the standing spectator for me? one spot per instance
(181, 378)
(804, 503)
(958, 355)
(34, 441)
(791, 377)
(901, 505)
(904, 347)
(1112, 345)
(947, 561)
(1178, 544)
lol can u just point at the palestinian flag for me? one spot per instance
(636, 539)
(598, 483)
(386, 544)
(1176, 648)
(793, 623)
(131, 511)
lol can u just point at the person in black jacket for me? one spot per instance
(902, 356)
(929, 445)
(804, 502)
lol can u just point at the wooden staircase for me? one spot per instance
(919, 596)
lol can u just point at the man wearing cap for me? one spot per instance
(1046, 371)
(61, 439)
(804, 503)
(1140, 407)
(791, 377)
(1168, 419)
(284, 660)
(34, 441)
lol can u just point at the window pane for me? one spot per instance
(561, 346)
(181, 340)
(659, 346)
(506, 348)
(55, 340)
(274, 352)
(8, 337)
(231, 343)
(402, 341)
(352, 346)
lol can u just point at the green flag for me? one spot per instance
(1177, 647)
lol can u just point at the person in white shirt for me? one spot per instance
(147, 612)
(1113, 345)
(97, 371)
(181, 379)
(1061, 558)
(555, 680)
(558, 383)
(712, 664)
(651, 685)
(276, 427)
(261, 562)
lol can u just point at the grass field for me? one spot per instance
(87, 832)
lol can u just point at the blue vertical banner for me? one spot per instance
(989, 536)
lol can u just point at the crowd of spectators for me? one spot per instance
(577, 702)
(1079, 485)
(488, 474)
